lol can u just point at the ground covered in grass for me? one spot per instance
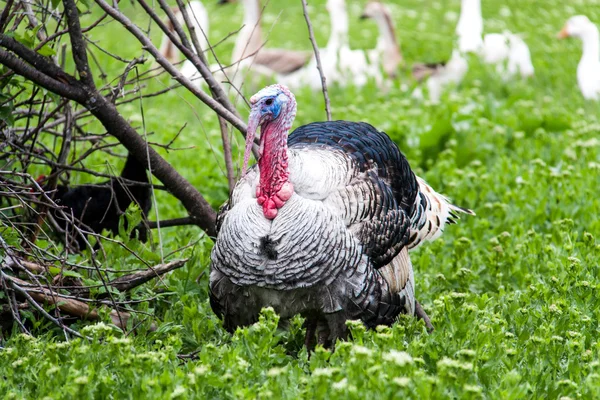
(512, 292)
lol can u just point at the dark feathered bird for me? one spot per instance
(99, 207)
(321, 226)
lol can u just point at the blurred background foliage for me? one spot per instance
(512, 292)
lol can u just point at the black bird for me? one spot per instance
(100, 206)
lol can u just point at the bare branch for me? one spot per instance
(173, 222)
(38, 61)
(197, 59)
(4, 15)
(174, 72)
(78, 45)
(116, 91)
(227, 154)
(114, 123)
(41, 33)
(311, 35)
(35, 75)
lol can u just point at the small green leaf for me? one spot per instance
(54, 271)
(72, 274)
(6, 114)
(46, 50)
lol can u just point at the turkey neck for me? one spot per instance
(273, 162)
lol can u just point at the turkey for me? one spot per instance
(321, 226)
(99, 207)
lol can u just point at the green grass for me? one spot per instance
(512, 292)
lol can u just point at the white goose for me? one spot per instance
(506, 50)
(509, 53)
(494, 49)
(199, 18)
(387, 52)
(249, 48)
(341, 64)
(588, 70)
(519, 58)
(470, 26)
(440, 75)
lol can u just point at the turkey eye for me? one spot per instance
(269, 102)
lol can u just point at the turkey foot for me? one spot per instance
(323, 338)
(420, 313)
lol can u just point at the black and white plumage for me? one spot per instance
(431, 214)
(337, 248)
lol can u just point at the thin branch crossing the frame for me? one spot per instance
(311, 35)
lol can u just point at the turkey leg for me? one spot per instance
(420, 313)
(310, 339)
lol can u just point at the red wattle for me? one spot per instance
(270, 213)
(278, 202)
(273, 189)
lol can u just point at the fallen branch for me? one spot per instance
(70, 306)
(128, 282)
(35, 305)
(33, 267)
(190, 356)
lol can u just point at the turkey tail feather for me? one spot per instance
(399, 276)
(431, 214)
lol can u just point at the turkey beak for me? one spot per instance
(363, 16)
(563, 33)
(253, 122)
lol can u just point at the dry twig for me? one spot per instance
(311, 35)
